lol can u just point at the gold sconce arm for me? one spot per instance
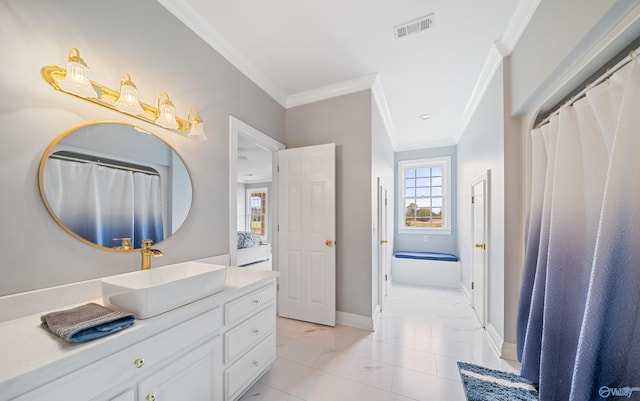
(107, 97)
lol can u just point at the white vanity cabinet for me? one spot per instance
(249, 340)
(158, 366)
(213, 349)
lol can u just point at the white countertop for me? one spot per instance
(31, 356)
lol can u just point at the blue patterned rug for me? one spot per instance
(484, 384)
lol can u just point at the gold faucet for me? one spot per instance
(146, 252)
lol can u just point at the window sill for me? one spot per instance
(423, 231)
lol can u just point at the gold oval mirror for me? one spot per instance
(113, 184)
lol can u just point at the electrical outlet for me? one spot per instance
(425, 238)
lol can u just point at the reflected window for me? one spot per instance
(258, 210)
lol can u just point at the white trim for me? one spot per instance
(518, 24)
(353, 320)
(447, 180)
(509, 351)
(331, 91)
(495, 339)
(376, 318)
(380, 98)
(465, 293)
(201, 27)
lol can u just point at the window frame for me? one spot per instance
(445, 163)
(251, 190)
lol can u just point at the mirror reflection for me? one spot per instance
(114, 185)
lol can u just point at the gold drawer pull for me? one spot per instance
(151, 397)
(139, 363)
(255, 331)
(255, 301)
(256, 363)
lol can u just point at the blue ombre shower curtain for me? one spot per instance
(578, 332)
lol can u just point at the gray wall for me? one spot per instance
(161, 54)
(345, 121)
(436, 243)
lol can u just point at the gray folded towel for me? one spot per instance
(86, 322)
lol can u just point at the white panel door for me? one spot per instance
(479, 224)
(383, 245)
(306, 234)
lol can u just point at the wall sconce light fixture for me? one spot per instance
(75, 81)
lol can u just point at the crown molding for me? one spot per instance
(201, 27)
(331, 91)
(381, 101)
(500, 49)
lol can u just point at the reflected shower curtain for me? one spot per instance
(101, 204)
(148, 208)
(578, 332)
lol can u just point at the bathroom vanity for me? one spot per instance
(211, 349)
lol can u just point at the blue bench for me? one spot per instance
(427, 256)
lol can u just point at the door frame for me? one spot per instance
(486, 178)
(236, 128)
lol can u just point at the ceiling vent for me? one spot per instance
(417, 25)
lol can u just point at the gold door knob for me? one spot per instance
(328, 242)
(151, 397)
(481, 246)
(256, 363)
(384, 241)
(139, 363)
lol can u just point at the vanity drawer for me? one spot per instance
(243, 307)
(249, 367)
(241, 338)
(91, 380)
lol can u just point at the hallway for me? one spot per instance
(423, 332)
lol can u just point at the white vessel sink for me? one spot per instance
(148, 293)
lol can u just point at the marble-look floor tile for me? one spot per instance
(424, 387)
(422, 333)
(296, 350)
(362, 370)
(262, 392)
(356, 392)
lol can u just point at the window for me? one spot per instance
(257, 201)
(424, 196)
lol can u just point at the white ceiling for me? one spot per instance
(300, 51)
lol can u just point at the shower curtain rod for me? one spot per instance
(608, 73)
(115, 164)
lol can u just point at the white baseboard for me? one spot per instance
(509, 351)
(465, 292)
(357, 321)
(495, 339)
(376, 317)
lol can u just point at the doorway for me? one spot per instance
(480, 233)
(384, 271)
(252, 159)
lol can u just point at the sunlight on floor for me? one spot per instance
(423, 332)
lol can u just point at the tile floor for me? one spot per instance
(412, 355)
